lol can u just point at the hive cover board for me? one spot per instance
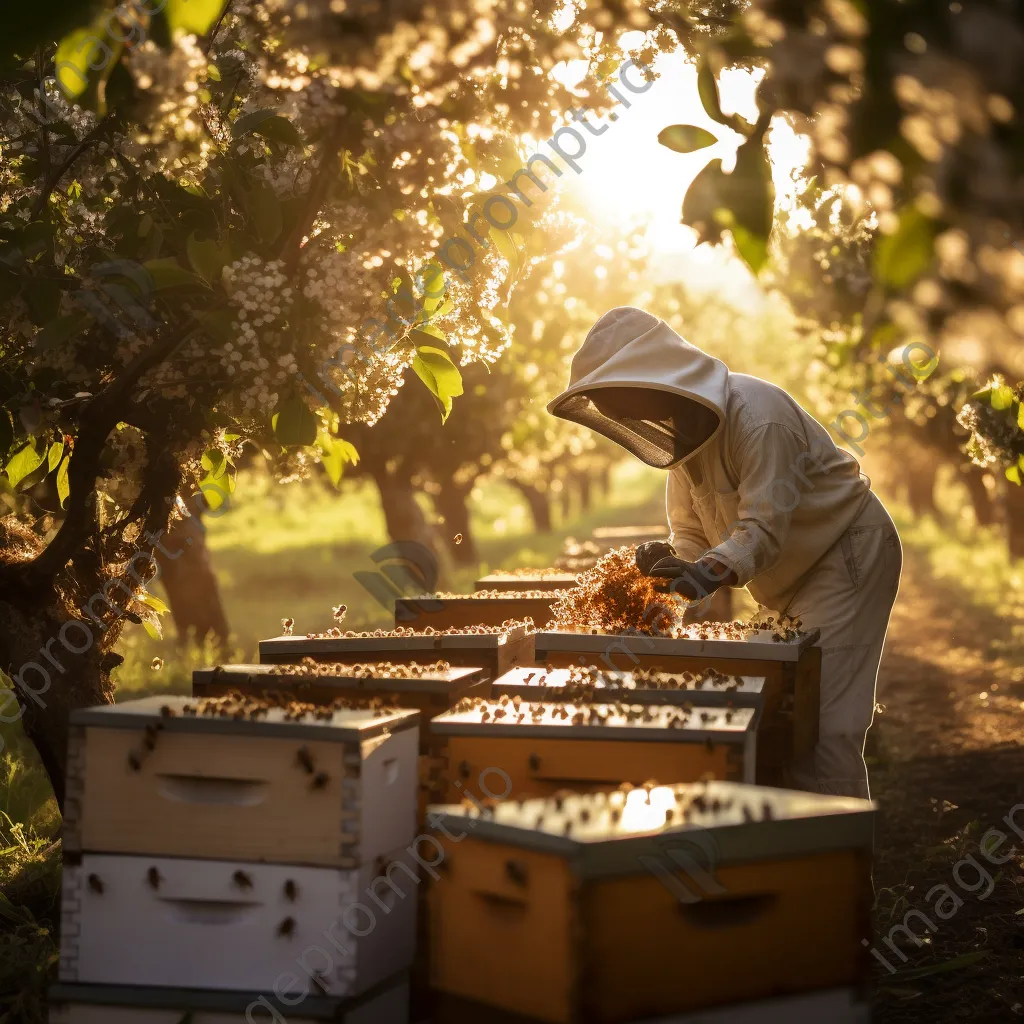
(526, 579)
(71, 1003)
(241, 779)
(706, 687)
(755, 645)
(370, 678)
(656, 902)
(487, 608)
(542, 748)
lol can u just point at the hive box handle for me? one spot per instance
(729, 911)
(201, 789)
(208, 912)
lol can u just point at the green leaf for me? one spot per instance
(24, 462)
(54, 455)
(155, 603)
(193, 16)
(265, 210)
(441, 376)
(703, 199)
(208, 258)
(219, 322)
(294, 424)
(708, 90)
(78, 50)
(752, 248)
(58, 331)
(686, 138)
(153, 628)
(63, 483)
(1001, 397)
(748, 192)
(431, 331)
(214, 462)
(434, 287)
(280, 130)
(1020, 416)
(335, 455)
(1013, 475)
(250, 122)
(503, 240)
(168, 273)
(902, 257)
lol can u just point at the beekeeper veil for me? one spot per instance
(637, 382)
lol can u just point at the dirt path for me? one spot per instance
(947, 765)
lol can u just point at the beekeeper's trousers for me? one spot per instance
(848, 594)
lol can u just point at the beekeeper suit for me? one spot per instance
(758, 496)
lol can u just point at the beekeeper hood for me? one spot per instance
(641, 385)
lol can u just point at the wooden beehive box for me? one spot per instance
(608, 908)
(791, 669)
(609, 537)
(543, 748)
(485, 608)
(387, 1003)
(527, 579)
(495, 652)
(706, 687)
(337, 791)
(180, 922)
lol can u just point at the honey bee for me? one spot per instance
(134, 761)
(320, 780)
(153, 878)
(291, 890)
(766, 811)
(242, 880)
(305, 759)
(166, 711)
(286, 927)
(516, 871)
(464, 769)
(96, 884)
(286, 626)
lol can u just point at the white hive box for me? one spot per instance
(338, 790)
(387, 1003)
(176, 922)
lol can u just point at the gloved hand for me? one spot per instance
(648, 553)
(692, 580)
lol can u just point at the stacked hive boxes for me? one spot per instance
(222, 860)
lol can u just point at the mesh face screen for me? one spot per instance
(658, 427)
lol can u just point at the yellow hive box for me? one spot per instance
(148, 777)
(387, 1003)
(791, 670)
(608, 908)
(527, 579)
(543, 748)
(489, 608)
(495, 653)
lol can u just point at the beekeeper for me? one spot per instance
(758, 496)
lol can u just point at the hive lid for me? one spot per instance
(345, 725)
(536, 579)
(708, 688)
(754, 646)
(297, 646)
(343, 677)
(228, 1001)
(652, 723)
(799, 824)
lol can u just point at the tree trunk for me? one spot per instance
(583, 488)
(984, 508)
(1014, 504)
(451, 503)
(920, 480)
(402, 515)
(540, 506)
(190, 582)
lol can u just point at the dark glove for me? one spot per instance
(650, 552)
(692, 580)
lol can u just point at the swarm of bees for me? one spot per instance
(507, 710)
(238, 705)
(615, 596)
(407, 631)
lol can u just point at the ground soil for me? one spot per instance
(947, 765)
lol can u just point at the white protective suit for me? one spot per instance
(758, 483)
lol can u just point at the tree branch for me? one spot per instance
(94, 137)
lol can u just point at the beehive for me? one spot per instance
(224, 924)
(791, 670)
(485, 607)
(706, 687)
(431, 689)
(495, 651)
(527, 579)
(387, 1003)
(335, 788)
(607, 908)
(615, 536)
(542, 748)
